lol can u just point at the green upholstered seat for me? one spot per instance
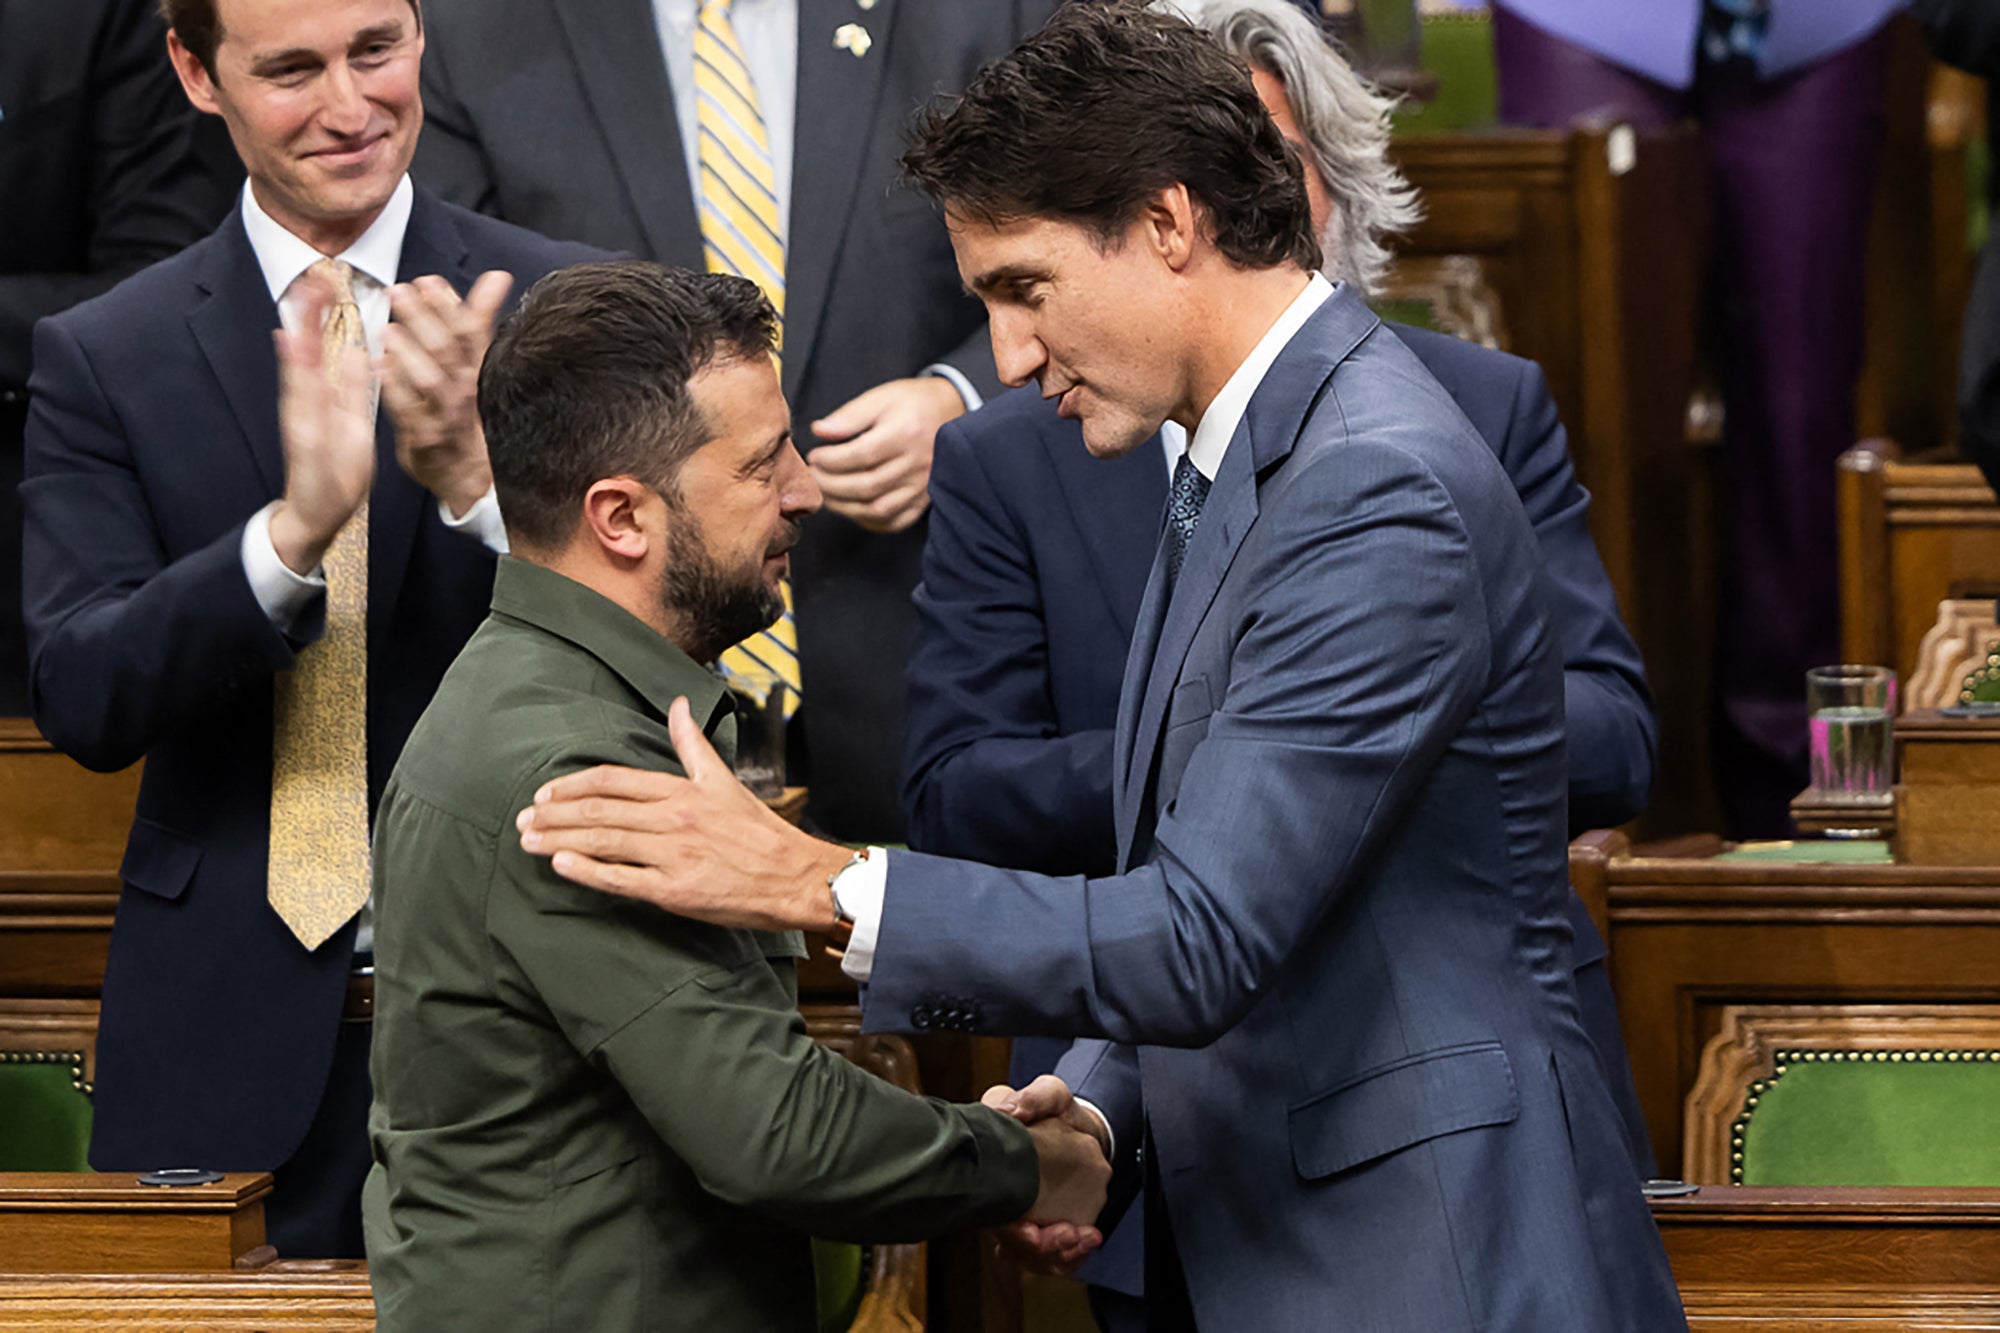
(44, 1111)
(1910, 1117)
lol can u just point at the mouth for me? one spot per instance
(350, 155)
(1069, 402)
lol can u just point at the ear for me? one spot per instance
(616, 518)
(1172, 226)
(194, 76)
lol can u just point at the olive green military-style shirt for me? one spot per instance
(590, 1114)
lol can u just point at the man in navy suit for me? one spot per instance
(1037, 558)
(178, 508)
(1335, 958)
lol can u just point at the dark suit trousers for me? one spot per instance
(1792, 170)
(314, 1210)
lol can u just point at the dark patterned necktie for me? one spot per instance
(1184, 502)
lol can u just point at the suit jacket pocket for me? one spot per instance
(1397, 1105)
(158, 860)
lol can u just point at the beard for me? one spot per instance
(712, 608)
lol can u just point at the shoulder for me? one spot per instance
(518, 707)
(1005, 437)
(1466, 369)
(159, 293)
(496, 244)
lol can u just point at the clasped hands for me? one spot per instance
(1073, 1147)
(429, 378)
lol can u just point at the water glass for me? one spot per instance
(1850, 714)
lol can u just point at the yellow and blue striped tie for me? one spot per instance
(742, 233)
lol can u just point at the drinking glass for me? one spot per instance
(1851, 712)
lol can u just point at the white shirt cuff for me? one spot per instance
(859, 891)
(974, 400)
(482, 521)
(283, 594)
(1110, 1135)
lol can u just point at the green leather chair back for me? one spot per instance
(1457, 49)
(1908, 1117)
(44, 1111)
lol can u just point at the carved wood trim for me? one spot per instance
(1742, 1059)
(1455, 288)
(53, 1027)
(1964, 641)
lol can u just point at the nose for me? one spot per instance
(1017, 351)
(343, 108)
(798, 493)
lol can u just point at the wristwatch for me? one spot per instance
(843, 920)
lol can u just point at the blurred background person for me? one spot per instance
(1966, 33)
(759, 137)
(101, 173)
(1789, 94)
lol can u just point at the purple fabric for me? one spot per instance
(1656, 38)
(1792, 168)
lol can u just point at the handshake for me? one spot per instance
(1073, 1147)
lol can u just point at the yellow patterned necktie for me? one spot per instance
(741, 233)
(319, 866)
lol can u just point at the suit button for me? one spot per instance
(920, 1018)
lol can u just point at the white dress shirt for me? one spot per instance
(374, 257)
(768, 31)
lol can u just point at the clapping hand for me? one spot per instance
(873, 464)
(326, 426)
(430, 383)
(1073, 1145)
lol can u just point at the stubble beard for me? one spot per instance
(710, 608)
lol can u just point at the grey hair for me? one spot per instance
(1344, 121)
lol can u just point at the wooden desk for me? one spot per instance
(1869, 1260)
(82, 1222)
(1690, 934)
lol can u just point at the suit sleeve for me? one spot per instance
(701, 1031)
(148, 193)
(124, 646)
(1337, 706)
(988, 776)
(1611, 729)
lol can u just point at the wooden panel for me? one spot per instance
(1801, 1260)
(281, 1298)
(54, 813)
(1691, 935)
(1910, 536)
(82, 1222)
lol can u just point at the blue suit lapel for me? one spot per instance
(619, 64)
(431, 244)
(1270, 428)
(837, 97)
(232, 323)
(1225, 519)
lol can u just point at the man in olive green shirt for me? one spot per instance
(589, 1114)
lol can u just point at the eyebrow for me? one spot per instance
(390, 31)
(1003, 276)
(768, 455)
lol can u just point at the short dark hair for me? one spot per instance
(198, 25)
(1105, 107)
(588, 378)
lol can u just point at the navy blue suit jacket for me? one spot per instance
(151, 440)
(1336, 955)
(1034, 568)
